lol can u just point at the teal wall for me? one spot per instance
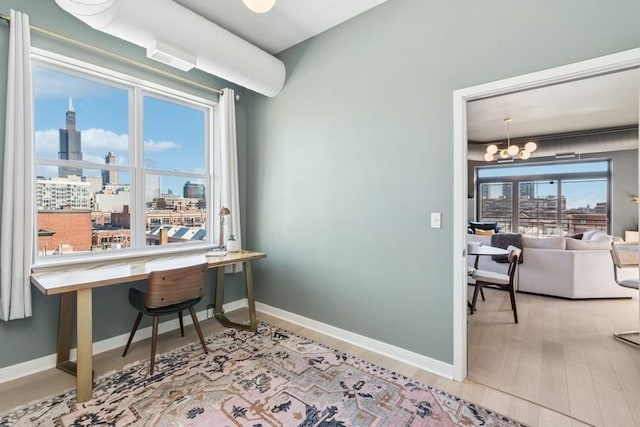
(348, 161)
(27, 339)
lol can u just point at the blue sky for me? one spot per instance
(173, 133)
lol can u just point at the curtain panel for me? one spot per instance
(229, 191)
(17, 217)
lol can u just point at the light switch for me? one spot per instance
(436, 219)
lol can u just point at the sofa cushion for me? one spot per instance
(503, 241)
(573, 244)
(544, 242)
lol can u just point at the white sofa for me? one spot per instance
(563, 267)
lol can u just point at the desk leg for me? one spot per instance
(219, 313)
(248, 277)
(64, 334)
(84, 379)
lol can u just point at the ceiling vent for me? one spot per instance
(176, 36)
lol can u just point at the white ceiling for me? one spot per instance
(287, 24)
(604, 101)
(592, 103)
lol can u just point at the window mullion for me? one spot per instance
(136, 148)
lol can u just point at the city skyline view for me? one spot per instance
(584, 192)
(173, 133)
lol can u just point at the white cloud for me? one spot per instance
(95, 144)
(151, 146)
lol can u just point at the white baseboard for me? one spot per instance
(405, 356)
(47, 362)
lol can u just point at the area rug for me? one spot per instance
(268, 378)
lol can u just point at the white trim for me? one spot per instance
(29, 367)
(405, 356)
(583, 69)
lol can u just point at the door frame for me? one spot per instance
(583, 69)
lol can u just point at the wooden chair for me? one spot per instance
(168, 292)
(484, 278)
(625, 255)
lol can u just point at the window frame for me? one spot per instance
(137, 88)
(516, 180)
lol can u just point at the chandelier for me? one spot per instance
(511, 151)
(259, 6)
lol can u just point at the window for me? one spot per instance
(552, 199)
(120, 165)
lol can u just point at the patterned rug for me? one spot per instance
(268, 378)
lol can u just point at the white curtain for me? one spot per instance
(229, 192)
(16, 243)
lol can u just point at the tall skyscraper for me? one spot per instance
(70, 144)
(109, 176)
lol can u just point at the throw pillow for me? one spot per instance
(593, 235)
(484, 225)
(544, 242)
(600, 236)
(480, 232)
(582, 245)
(575, 236)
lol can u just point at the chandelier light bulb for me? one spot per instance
(488, 157)
(524, 154)
(492, 149)
(504, 154)
(513, 150)
(530, 146)
(259, 6)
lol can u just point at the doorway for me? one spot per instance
(585, 69)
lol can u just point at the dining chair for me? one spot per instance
(169, 292)
(624, 256)
(485, 278)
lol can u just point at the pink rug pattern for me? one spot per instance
(268, 378)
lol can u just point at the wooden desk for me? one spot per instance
(81, 281)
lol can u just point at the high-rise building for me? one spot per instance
(193, 190)
(110, 176)
(62, 193)
(70, 144)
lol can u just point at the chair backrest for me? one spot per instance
(625, 255)
(168, 287)
(513, 257)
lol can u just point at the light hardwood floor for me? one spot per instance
(561, 355)
(39, 385)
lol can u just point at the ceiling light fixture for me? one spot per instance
(512, 151)
(259, 6)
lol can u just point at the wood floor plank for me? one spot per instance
(566, 358)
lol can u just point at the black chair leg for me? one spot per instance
(482, 294)
(512, 294)
(476, 290)
(181, 324)
(154, 342)
(196, 323)
(136, 323)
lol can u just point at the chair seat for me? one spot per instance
(630, 283)
(136, 299)
(490, 276)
